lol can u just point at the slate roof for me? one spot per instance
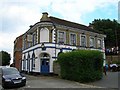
(72, 24)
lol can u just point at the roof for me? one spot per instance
(63, 22)
(71, 24)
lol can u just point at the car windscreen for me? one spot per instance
(10, 71)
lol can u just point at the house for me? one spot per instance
(17, 54)
(43, 42)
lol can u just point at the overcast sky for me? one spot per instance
(17, 15)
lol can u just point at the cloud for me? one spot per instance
(74, 9)
(17, 15)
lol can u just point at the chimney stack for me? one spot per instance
(45, 17)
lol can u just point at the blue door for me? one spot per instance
(44, 65)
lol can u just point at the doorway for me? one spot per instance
(45, 58)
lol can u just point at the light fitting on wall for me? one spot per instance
(83, 33)
(95, 35)
(43, 46)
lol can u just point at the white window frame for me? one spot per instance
(64, 37)
(81, 40)
(98, 43)
(75, 39)
(24, 62)
(34, 38)
(33, 62)
(92, 43)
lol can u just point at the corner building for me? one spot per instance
(43, 42)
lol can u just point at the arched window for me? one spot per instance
(33, 61)
(44, 35)
(24, 62)
(28, 62)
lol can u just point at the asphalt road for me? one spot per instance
(53, 82)
(109, 81)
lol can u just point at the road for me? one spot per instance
(53, 82)
(111, 80)
(39, 81)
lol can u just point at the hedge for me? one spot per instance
(81, 65)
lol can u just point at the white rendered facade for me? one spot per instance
(45, 40)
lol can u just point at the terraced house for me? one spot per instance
(43, 42)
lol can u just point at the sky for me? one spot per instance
(17, 15)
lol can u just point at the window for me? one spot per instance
(33, 61)
(72, 39)
(61, 37)
(24, 62)
(24, 42)
(83, 41)
(92, 42)
(34, 38)
(99, 42)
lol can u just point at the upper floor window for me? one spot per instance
(99, 42)
(92, 42)
(72, 39)
(61, 37)
(24, 42)
(83, 40)
(34, 38)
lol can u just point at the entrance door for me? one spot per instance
(44, 65)
(45, 58)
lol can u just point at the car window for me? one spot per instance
(10, 71)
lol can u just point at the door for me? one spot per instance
(44, 65)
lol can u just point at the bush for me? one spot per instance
(81, 65)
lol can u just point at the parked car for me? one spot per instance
(11, 77)
(113, 67)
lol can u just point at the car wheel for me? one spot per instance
(3, 85)
(114, 68)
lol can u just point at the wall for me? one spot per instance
(18, 52)
(56, 68)
(110, 58)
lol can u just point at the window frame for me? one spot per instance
(73, 40)
(81, 35)
(100, 43)
(34, 38)
(92, 43)
(64, 37)
(33, 61)
(24, 63)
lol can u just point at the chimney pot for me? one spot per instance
(45, 17)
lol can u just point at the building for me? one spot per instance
(17, 52)
(46, 39)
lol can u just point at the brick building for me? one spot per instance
(17, 52)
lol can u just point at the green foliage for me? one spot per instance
(81, 65)
(110, 28)
(5, 57)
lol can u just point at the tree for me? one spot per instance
(5, 58)
(110, 28)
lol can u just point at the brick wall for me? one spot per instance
(18, 52)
